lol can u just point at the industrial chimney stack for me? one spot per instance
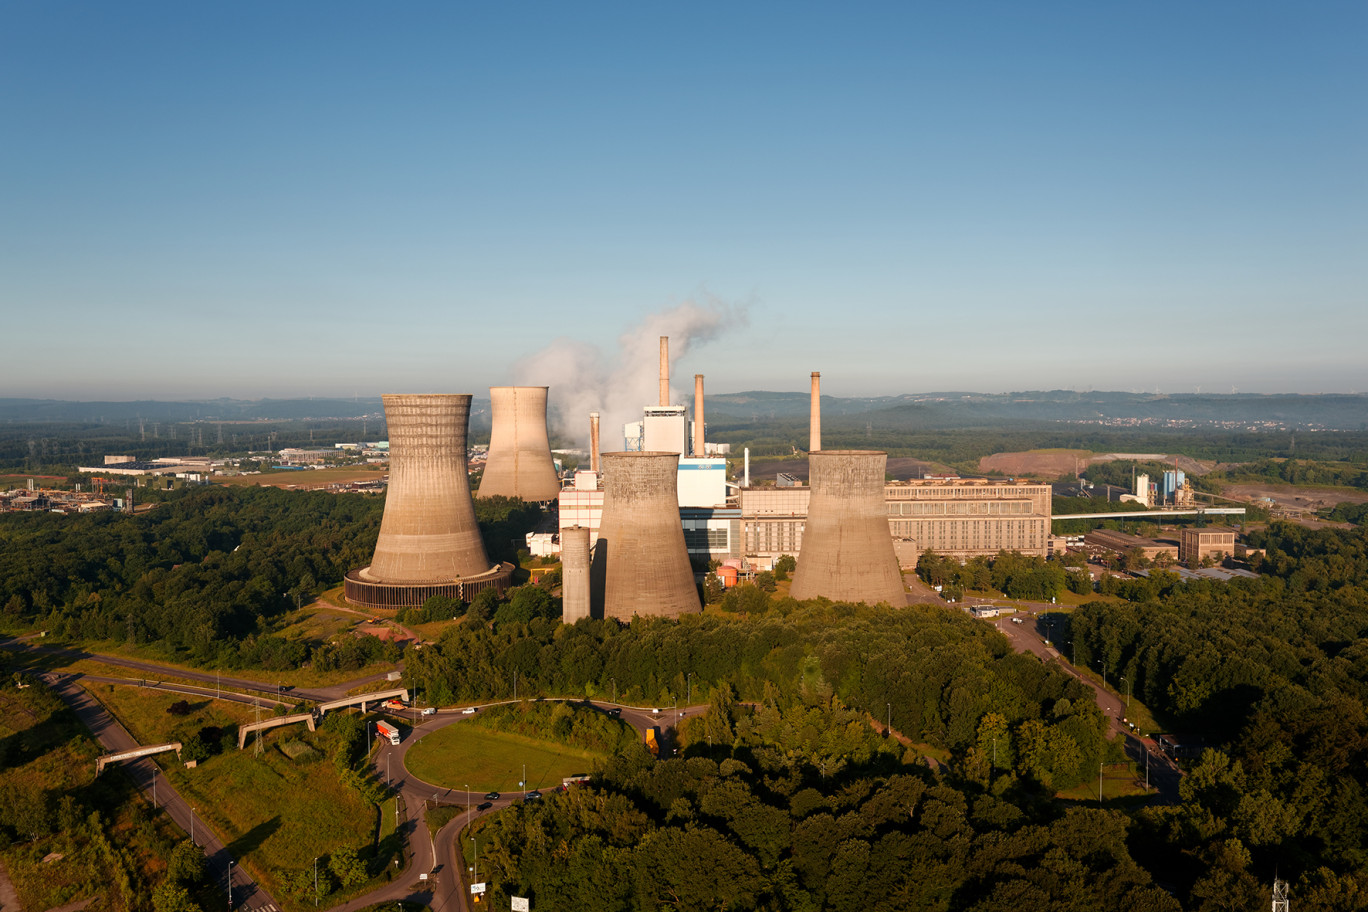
(594, 442)
(815, 416)
(641, 564)
(575, 573)
(698, 442)
(847, 553)
(519, 462)
(664, 370)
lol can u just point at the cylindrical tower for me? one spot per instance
(698, 437)
(664, 370)
(847, 552)
(641, 564)
(815, 415)
(594, 442)
(519, 463)
(429, 543)
(574, 573)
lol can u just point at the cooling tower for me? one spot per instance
(847, 553)
(815, 415)
(429, 542)
(574, 573)
(641, 565)
(519, 463)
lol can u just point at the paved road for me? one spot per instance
(247, 894)
(1030, 636)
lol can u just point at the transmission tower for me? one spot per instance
(1280, 903)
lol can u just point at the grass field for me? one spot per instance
(143, 711)
(307, 478)
(1119, 780)
(461, 755)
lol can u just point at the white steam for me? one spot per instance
(583, 379)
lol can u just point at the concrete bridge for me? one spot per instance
(102, 762)
(245, 730)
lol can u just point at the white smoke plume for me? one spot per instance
(583, 379)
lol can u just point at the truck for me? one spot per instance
(385, 730)
(395, 705)
(653, 741)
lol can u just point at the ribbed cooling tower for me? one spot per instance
(574, 573)
(847, 553)
(519, 463)
(641, 564)
(428, 531)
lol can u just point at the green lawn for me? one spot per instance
(461, 755)
(1118, 781)
(143, 711)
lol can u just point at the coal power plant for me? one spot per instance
(429, 542)
(640, 563)
(847, 553)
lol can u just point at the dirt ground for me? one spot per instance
(1294, 497)
(900, 467)
(1051, 464)
(306, 480)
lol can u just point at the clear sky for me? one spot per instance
(279, 199)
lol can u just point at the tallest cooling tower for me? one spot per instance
(847, 553)
(519, 463)
(429, 542)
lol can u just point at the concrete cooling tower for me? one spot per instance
(847, 553)
(429, 542)
(574, 573)
(519, 463)
(641, 564)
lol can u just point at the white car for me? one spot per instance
(469, 710)
(430, 711)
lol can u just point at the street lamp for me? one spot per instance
(315, 882)
(1102, 665)
(192, 825)
(689, 698)
(230, 883)
(1128, 691)
(889, 729)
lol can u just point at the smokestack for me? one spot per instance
(698, 416)
(746, 483)
(428, 531)
(641, 564)
(815, 419)
(664, 370)
(575, 573)
(847, 553)
(594, 442)
(519, 462)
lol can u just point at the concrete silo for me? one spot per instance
(847, 553)
(641, 565)
(574, 573)
(429, 542)
(519, 463)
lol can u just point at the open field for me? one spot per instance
(306, 479)
(1298, 497)
(144, 712)
(461, 755)
(1119, 780)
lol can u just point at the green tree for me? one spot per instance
(186, 865)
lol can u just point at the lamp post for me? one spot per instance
(889, 729)
(230, 883)
(1127, 682)
(1102, 665)
(192, 825)
(614, 690)
(689, 698)
(315, 882)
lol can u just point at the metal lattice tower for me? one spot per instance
(1280, 903)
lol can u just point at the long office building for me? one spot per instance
(959, 517)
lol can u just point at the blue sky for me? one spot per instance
(265, 199)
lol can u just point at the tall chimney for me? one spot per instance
(519, 462)
(815, 421)
(664, 370)
(746, 482)
(698, 416)
(575, 569)
(594, 442)
(641, 563)
(847, 553)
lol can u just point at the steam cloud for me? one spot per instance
(584, 379)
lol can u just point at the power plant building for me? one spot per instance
(960, 518)
(429, 542)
